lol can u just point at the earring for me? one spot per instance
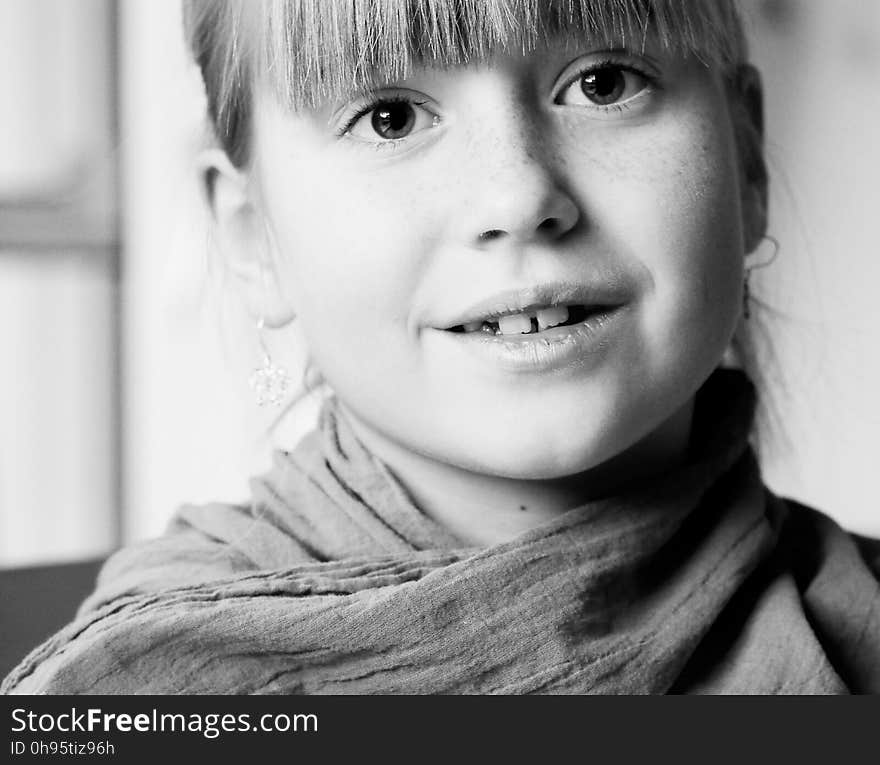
(747, 293)
(269, 382)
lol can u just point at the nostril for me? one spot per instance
(549, 225)
(493, 233)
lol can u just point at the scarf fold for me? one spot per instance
(332, 581)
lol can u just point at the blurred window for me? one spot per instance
(59, 328)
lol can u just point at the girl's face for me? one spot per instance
(586, 197)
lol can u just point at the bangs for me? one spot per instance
(313, 50)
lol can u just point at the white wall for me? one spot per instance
(822, 107)
(180, 425)
(192, 433)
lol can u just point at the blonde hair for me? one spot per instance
(307, 51)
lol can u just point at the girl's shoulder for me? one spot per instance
(816, 541)
(869, 548)
(837, 574)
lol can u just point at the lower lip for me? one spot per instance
(557, 348)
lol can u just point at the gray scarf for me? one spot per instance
(331, 581)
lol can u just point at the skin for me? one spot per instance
(375, 242)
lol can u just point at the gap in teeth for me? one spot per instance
(530, 322)
(533, 321)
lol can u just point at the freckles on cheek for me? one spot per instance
(710, 258)
(697, 187)
(681, 187)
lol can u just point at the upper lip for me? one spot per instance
(533, 298)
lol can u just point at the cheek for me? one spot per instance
(703, 265)
(672, 206)
(352, 250)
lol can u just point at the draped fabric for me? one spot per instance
(330, 580)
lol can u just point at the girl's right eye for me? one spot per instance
(390, 118)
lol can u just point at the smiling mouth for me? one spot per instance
(533, 321)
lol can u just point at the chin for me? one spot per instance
(536, 460)
(538, 468)
(548, 444)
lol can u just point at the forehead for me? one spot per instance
(309, 51)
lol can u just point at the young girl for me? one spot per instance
(514, 237)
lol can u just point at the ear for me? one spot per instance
(242, 238)
(747, 110)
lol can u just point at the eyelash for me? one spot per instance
(652, 81)
(397, 98)
(372, 103)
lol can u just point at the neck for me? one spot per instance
(483, 510)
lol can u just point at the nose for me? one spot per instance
(515, 193)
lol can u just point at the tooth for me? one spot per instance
(518, 324)
(473, 326)
(550, 317)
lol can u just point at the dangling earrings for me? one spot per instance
(269, 382)
(747, 293)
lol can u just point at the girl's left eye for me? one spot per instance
(390, 119)
(605, 86)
